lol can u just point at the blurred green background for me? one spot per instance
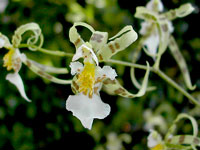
(45, 123)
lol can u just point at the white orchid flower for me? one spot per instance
(87, 105)
(152, 41)
(13, 61)
(154, 141)
(89, 78)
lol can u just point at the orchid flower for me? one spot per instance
(175, 142)
(87, 104)
(152, 41)
(89, 77)
(14, 58)
(154, 141)
(157, 33)
(13, 61)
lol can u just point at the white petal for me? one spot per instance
(109, 72)
(150, 5)
(78, 54)
(3, 5)
(15, 79)
(76, 67)
(152, 43)
(2, 42)
(86, 109)
(170, 26)
(153, 139)
(144, 27)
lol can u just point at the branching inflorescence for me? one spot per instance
(89, 78)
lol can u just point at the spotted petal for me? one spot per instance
(181, 62)
(15, 79)
(98, 39)
(76, 67)
(113, 87)
(75, 37)
(118, 43)
(180, 12)
(87, 109)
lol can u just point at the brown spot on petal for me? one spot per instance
(28, 63)
(119, 91)
(111, 48)
(109, 81)
(181, 139)
(48, 76)
(41, 73)
(75, 85)
(77, 42)
(117, 46)
(73, 90)
(96, 90)
(164, 27)
(100, 57)
(196, 141)
(124, 94)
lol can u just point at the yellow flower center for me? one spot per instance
(158, 147)
(8, 60)
(86, 79)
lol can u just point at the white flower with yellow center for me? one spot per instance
(154, 141)
(13, 61)
(87, 105)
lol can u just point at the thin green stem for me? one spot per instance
(129, 64)
(161, 74)
(46, 51)
(175, 85)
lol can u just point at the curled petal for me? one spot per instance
(87, 109)
(15, 79)
(76, 67)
